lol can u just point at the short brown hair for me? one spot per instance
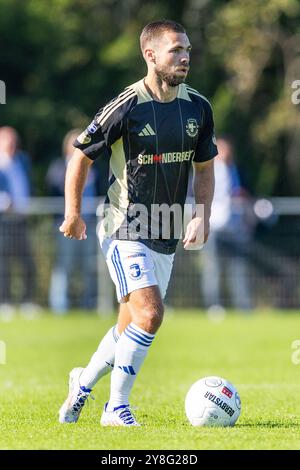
(156, 28)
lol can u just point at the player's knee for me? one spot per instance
(147, 308)
(153, 317)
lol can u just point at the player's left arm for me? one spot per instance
(203, 185)
(204, 181)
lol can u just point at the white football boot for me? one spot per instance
(120, 416)
(71, 409)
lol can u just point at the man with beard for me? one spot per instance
(152, 133)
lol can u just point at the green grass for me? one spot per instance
(253, 352)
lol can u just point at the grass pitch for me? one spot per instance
(253, 352)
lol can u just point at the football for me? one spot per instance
(212, 401)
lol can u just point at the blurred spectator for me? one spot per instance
(224, 256)
(73, 258)
(15, 247)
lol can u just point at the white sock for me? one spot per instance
(102, 361)
(130, 354)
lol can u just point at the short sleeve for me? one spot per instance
(106, 128)
(206, 146)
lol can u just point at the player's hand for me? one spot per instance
(74, 227)
(196, 234)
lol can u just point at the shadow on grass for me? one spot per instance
(270, 424)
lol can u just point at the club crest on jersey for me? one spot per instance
(191, 127)
(135, 271)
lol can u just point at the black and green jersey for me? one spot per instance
(150, 146)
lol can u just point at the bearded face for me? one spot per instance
(171, 78)
(172, 56)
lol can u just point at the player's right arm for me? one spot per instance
(76, 176)
(94, 142)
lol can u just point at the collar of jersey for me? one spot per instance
(151, 97)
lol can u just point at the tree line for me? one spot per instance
(61, 60)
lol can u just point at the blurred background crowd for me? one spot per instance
(59, 69)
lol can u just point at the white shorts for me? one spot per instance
(132, 265)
